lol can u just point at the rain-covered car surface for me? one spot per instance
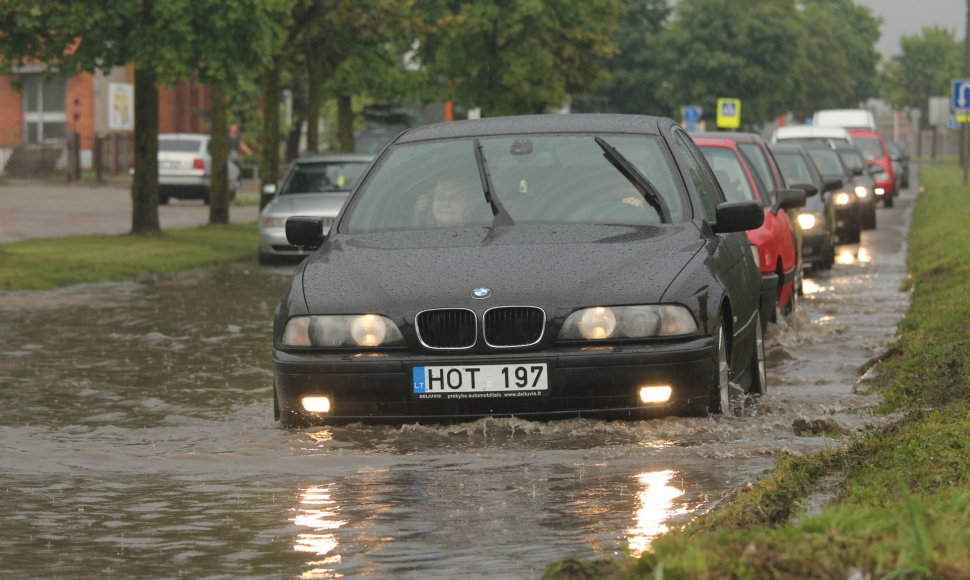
(817, 218)
(185, 168)
(530, 266)
(874, 148)
(316, 185)
(774, 241)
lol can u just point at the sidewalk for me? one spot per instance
(55, 208)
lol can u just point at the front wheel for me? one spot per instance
(721, 402)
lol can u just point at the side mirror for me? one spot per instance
(808, 188)
(266, 194)
(788, 199)
(269, 189)
(305, 231)
(738, 216)
(875, 168)
(858, 171)
(833, 184)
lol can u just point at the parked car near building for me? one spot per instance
(185, 168)
(817, 218)
(314, 185)
(774, 242)
(536, 266)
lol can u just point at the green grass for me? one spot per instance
(901, 507)
(44, 264)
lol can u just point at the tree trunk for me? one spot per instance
(314, 102)
(345, 123)
(219, 151)
(269, 162)
(144, 185)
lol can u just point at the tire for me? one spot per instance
(758, 370)
(887, 201)
(869, 220)
(853, 234)
(721, 403)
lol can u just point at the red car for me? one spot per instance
(873, 148)
(774, 242)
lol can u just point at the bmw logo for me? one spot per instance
(481, 292)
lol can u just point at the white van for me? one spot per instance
(848, 118)
(810, 133)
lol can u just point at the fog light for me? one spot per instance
(316, 404)
(658, 394)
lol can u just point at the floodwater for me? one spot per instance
(137, 441)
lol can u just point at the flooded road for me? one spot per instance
(137, 441)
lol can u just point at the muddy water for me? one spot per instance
(136, 440)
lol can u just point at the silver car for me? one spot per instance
(315, 185)
(185, 168)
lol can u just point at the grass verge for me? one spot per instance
(902, 508)
(47, 263)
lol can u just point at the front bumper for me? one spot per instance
(814, 246)
(583, 381)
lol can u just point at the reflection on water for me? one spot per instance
(655, 507)
(850, 255)
(136, 440)
(318, 511)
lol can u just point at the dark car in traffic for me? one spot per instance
(848, 216)
(863, 183)
(817, 218)
(537, 266)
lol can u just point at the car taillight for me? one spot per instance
(197, 163)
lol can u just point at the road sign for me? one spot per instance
(960, 99)
(729, 113)
(691, 114)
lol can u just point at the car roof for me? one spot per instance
(733, 135)
(787, 147)
(525, 124)
(796, 131)
(333, 158)
(186, 136)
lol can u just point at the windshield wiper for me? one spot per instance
(502, 217)
(633, 175)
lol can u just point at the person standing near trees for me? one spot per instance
(237, 147)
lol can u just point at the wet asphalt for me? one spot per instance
(56, 208)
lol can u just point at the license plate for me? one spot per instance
(479, 381)
(168, 164)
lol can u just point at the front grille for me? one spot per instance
(447, 328)
(514, 326)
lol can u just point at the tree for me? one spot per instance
(168, 41)
(836, 62)
(516, 56)
(638, 69)
(734, 49)
(924, 68)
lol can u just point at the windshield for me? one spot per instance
(730, 173)
(537, 179)
(323, 177)
(755, 156)
(180, 145)
(793, 168)
(870, 146)
(853, 160)
(827, 161)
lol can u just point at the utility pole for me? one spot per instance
(964, 131)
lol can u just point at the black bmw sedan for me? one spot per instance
(538, 266)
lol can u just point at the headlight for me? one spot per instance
(861, 191)
(274, 222)
(342, 331)
(880, 191)
(808, 220)
(623, 322)
(842, 198)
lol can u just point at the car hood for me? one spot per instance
(545, 265)
(312, 204)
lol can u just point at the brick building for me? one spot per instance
(39, 112)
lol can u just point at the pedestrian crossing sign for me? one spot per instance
(729, 113)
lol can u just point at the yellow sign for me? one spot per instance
(729, 113)
(963, 117)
